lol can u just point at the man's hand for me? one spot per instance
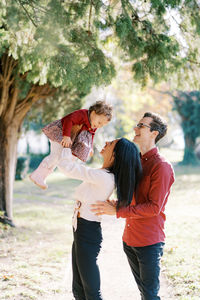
(66, 142)
(104, 208)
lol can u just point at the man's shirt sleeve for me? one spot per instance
(160, 182)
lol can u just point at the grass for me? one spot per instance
(182, 251)
(34, 255)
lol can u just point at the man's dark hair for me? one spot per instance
(102, 108)
(157, 124)
(127, 171)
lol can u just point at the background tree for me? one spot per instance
(36, 60)
(50, 45)
(187, 104)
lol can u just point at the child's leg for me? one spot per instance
(52, 159)
(47, 166)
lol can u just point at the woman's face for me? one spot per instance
(107, 152)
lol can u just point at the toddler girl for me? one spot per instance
(76, 131)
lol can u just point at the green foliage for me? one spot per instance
(22, 167)
(35, 160)
(62, 103)
(33, 120)
(187, 104)
(163, 5)
(49, 50)
(61, 42)
(156, 52)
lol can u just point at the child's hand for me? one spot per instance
(66, 142)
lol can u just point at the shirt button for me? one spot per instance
(128, 225)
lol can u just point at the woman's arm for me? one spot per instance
(79, 171)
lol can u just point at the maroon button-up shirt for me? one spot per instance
(145, 220)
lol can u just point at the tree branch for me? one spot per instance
(194, 62)
(183, 30)
(36, 93)
(13, 63)
(90, 15)
(27, 13)
(8, 64)
(11, 109)
(4, 64)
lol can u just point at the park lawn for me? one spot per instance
(181, 258)
(35, 254)
(182, 252)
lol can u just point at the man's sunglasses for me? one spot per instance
(140, 125)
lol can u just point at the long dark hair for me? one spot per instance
(127, 171)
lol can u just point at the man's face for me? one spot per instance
(143, 135)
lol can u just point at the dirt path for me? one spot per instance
(117, 280)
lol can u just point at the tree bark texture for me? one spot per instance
(13, 110)
(189, 156)
(7, 164)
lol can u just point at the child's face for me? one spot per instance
(97, 121)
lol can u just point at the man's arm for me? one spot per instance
(160, 183)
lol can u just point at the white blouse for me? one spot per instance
(97, 185)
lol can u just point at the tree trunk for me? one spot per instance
(189, 157)
(9, 138)
(13, 110)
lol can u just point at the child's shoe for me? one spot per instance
(40, 174)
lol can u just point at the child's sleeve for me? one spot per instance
(75, 118)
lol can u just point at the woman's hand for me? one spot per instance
(104, 208)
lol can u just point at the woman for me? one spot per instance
(121, 168)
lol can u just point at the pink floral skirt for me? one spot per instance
(82, 140)
(54, 131)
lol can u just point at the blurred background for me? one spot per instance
(57, 56)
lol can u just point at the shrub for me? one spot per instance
(35, 160)
(22, 167)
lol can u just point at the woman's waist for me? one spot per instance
(91, 193)
(88, 215)
(84, 211)
(88, 199)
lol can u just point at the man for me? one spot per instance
(143, 238)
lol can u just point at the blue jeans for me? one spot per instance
(85, 250)
(145, 266)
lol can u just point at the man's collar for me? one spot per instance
(149, 154)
